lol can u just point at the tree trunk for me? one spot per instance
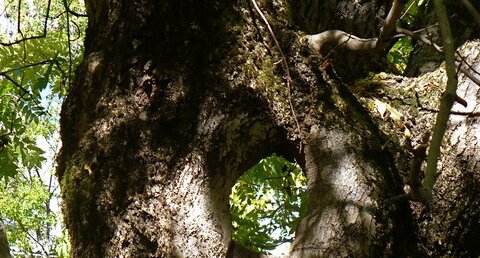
(175, 100)
(450, 225)
(4, 247)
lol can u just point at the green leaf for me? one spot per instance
(399, 54)
(266, 204)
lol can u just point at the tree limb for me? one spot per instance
(428, 42)
(44, 33)
(446, 102)
(472, 10)
(420, 37)
(318, 42)
(339, 38)
(67, 8)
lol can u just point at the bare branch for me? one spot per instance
(446, 102)
(459, 61)
(388, 27)
(419, 36)
(320, 42)
(472, 10)
(285, 66)
(67, 8)
(43, 35)
(28, 65)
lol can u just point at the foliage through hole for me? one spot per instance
(266, 204)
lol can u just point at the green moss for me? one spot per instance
(77, 191)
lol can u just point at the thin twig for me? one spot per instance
(69, 44)
(43, 35)
(27, 66)
(286, 68)
(459, 61)
(419, 36)
(446, 102)
(67, 8)
(25, 92)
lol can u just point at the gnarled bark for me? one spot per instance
(175, 100)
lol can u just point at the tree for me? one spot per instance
(39, 48)
(174, 100)
(4, 248)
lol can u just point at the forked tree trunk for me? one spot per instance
(176, 99)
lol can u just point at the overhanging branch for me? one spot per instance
(320, 42)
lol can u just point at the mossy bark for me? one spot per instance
(175, 100)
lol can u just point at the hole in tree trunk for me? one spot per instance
(266, 204)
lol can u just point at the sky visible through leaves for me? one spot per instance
(41, 43)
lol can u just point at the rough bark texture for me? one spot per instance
(175, 100)
(450, 225)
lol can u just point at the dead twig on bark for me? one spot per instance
(285, 66)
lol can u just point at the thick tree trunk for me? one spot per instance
(175, 100)
(155, 131)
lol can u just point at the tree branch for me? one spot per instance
(29, 65)
(321, 41)
(25, 91)
(459, 61)
(388, 27)
(67, 8)
(446, 102)
(20, 31)
(420, 37)
(286, 68)
(472, 10)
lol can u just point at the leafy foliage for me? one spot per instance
(399, 54)
(29, 198)
(27, 217)
(37, 55)
(266, 204)
(413, 10)
(41, 43)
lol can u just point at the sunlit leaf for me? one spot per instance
(266, 204)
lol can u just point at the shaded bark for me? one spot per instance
(360, 18)
(452, 223)
(174, 101)
(449, 226)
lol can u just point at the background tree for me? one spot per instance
(40, 44)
